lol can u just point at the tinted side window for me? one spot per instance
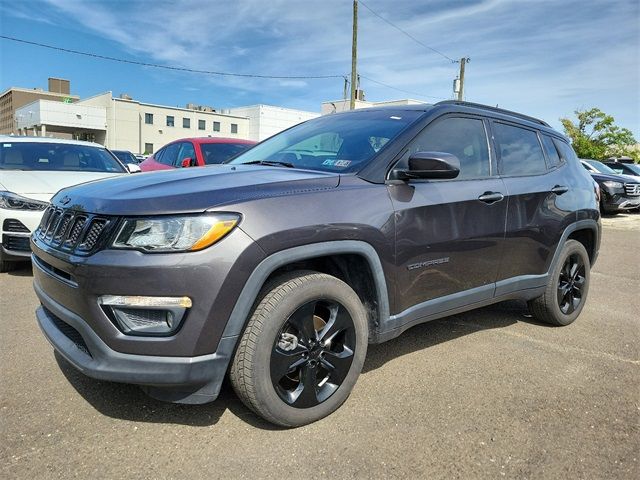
(170, 154)
(552, 153)
(520, 150)
(463, 137)
(565, 151)
(186, 151)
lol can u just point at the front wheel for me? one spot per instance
(303, 349)
(568, 286)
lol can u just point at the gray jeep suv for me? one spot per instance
(279, 267)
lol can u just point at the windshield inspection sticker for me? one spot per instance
(337, 163)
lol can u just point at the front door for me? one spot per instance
(449, 233)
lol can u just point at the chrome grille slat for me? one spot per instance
(93, 233)
(65, 223)
(76, 231)
(53, 224)
(632, 189)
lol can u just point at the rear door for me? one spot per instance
(535, 182)
(449, 233)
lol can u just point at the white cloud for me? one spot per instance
(545, 58)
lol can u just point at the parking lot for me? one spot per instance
(487, 394)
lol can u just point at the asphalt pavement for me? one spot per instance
(486, 394)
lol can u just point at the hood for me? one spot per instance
(42, 185)
(604, 177)
(187, 190)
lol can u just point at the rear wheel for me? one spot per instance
(303, 349)
(568, 287)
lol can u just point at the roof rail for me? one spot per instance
(494, 109)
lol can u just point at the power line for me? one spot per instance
(206, 72)
(399, 89)
(407, 33)
(168, 67)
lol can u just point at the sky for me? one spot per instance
(540, 57)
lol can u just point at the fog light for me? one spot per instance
(155, 316)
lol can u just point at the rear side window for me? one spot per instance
(552, 152)
(463, 137)
(520, 150)
(565, 151)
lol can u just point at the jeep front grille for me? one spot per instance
(632, 189)
(73, 232)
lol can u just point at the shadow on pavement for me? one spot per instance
(23, 269)
(448, 328)
(128, 402)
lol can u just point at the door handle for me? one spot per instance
(491, 197)
(559, 189)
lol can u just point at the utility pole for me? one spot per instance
(463, 61)
(354, 55)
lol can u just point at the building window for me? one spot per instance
(216, 126)
(148, 118)
(170, 121)
(202, 125)
(186, 123)
(234, 128)
(148, 148)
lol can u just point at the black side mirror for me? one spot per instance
(425, 165)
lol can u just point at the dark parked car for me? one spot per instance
(621, 168)
(281, 266)
(617, 192)
(126, 157)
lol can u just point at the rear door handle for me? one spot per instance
(491, 197)
(559, 189)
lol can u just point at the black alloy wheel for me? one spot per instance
(567, 288)
(571, 284)
(313, 353)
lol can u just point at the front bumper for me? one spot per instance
(183, 379)
(620, 202)
(187, 366)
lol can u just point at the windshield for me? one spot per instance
(56, 157)
(333, 143)
(633, 167)
(214, 153)
(626, 168)
(601, 167)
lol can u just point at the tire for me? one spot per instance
(291, 368)
(567, 291)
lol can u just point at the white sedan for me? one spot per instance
(32, 170)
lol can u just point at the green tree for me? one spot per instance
(595, 135)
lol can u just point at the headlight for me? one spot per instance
(612, 184)
(175, 234)
(13, 201)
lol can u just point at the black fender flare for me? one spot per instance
(242, 309)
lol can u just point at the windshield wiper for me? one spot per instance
(271, 163)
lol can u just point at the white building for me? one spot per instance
(127, 124)
(267, 120)
(342, 105)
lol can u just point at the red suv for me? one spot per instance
(191, 152)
